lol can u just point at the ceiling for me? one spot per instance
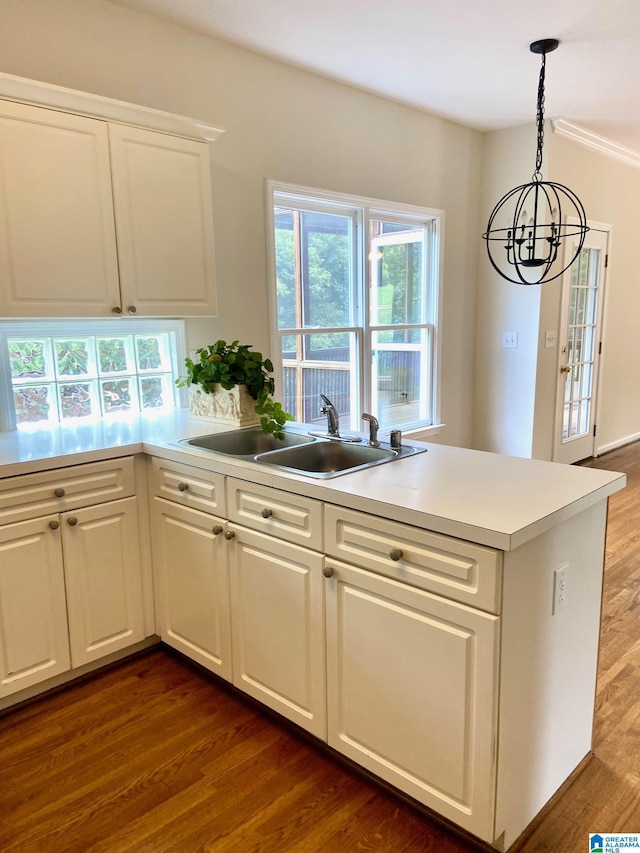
(466, 60)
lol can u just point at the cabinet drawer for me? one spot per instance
(32, 495)
(290, 517)
(183, 484)
(456, 569)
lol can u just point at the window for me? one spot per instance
(355, 286)
(71, 371)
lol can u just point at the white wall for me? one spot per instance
(504, 392)
(280, 123)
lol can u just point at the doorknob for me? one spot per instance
(565, 369)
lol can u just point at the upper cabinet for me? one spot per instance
(99, 217)
(57, 235)
(162, 197)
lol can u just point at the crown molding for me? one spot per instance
(596, 142)
(96, 106)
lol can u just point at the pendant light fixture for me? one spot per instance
(529, 226)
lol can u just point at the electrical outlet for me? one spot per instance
(560, 588)
(509, 340)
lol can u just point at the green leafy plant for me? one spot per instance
(231, 364)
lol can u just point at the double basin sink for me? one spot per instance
(299, 452)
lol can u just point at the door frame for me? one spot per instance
(607, 230)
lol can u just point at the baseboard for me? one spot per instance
(614, 445)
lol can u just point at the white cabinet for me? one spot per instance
(103, 579)
(98, 218)
(245, 604)
(34, 643)
(71, 582)
(164, 222)
(277, 613)
(413, 692)
(192, 584)
(413, 645)
(57, 234)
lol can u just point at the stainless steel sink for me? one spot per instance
(327, 458)
(298, 452)
(247, 442)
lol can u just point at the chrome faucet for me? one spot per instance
(374, 426)
(333, 418)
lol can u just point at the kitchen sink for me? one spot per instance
(327, 458)
(299, 452)
(247, 442)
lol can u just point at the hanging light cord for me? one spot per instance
(537, 175)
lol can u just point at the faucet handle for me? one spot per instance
(374, 426)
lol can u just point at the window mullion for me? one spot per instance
(366, 366)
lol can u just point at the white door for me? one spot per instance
(277, 619)
(579, 346)
(413, 692)
(192, 584)
(34, 644)
(57, 235)
(164, 222)
(103, 572)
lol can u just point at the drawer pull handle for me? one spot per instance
(72, 521)
(132, 309)
(59, 493)
(217, 529)
(183, 487)
(266, 513)
(328, 572)
(54, 525)
(395, 554)
(229, 534)
(117, 310)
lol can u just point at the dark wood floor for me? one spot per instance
(155, 757)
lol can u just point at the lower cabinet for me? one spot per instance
(34, 640)
(192, 584)
(246, 606)
(71, 591)
(366, 653)
(277, 619)
(412, 691)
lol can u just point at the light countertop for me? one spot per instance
(494, 500)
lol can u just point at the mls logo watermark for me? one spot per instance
(613, 842)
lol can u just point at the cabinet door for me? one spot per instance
(412, 692)
(57, 234)
(192, 584)
(164, 223)
(278, 626)
(34, 644)
(103, 571)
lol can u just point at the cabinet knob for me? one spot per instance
(395, 554)
(183, 487)
(54, 525)
(132, 309)
(229, 534)
(59, 493)
(117, 310)
(216, 529)
(328, 572)
(72, 521)
(266, 513)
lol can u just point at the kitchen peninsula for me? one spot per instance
(435, 619)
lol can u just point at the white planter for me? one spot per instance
(230, 408)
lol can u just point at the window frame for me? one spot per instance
(365, 209)
(87, 327)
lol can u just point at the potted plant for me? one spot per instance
(231, 384)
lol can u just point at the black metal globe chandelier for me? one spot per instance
(529, 226)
